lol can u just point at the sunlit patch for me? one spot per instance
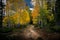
(30, 32)
(31, 8)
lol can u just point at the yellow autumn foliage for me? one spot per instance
(16, 17)
(51, 17)
(24, 17)
(35, 14)
(5, 19)
(44, 4)
(35, 20)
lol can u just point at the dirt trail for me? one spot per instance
(34, 33)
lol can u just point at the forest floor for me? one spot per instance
(30, 33)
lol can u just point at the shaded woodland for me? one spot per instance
(21, 23)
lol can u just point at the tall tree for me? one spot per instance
(57, 10)
(1, 10)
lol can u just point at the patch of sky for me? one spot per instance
(28, 3)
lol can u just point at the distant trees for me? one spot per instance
(18, 13)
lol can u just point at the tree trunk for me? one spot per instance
(57, 12)
(1, 13)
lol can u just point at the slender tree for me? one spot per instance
(1, 10)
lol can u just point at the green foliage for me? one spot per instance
(46, 16)
(56, 28)
(5, 30)
(51, 29)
